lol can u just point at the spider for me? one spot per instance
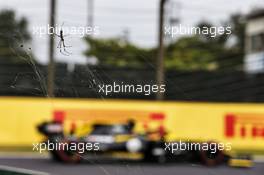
(61, 44)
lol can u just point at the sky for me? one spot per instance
(113, 17)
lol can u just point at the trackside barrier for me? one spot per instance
(242, 125)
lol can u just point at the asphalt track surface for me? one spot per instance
(122, 168)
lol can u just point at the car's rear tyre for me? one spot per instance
(66, 156)
(154, 152)
(209, 158)
(55, 157)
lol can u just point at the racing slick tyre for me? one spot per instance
(212, 159)
(55, 157)
(67, 156)
(154, 152)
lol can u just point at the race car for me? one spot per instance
(103, 140)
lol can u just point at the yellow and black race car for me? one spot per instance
(114, 141)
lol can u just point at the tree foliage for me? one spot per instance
(14, 36)
(116, 52)
(203, 52)
(195, 52)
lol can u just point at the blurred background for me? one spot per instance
(132, 47)
(196, 68)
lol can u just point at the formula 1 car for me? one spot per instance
(104, 140)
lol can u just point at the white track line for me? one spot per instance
(259, 159)
(21, 170)
(23, 156)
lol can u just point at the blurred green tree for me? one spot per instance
(234, 53)
(14, 36)
(191, 53)
(195, 52)
(117, 52)
(203, 52)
